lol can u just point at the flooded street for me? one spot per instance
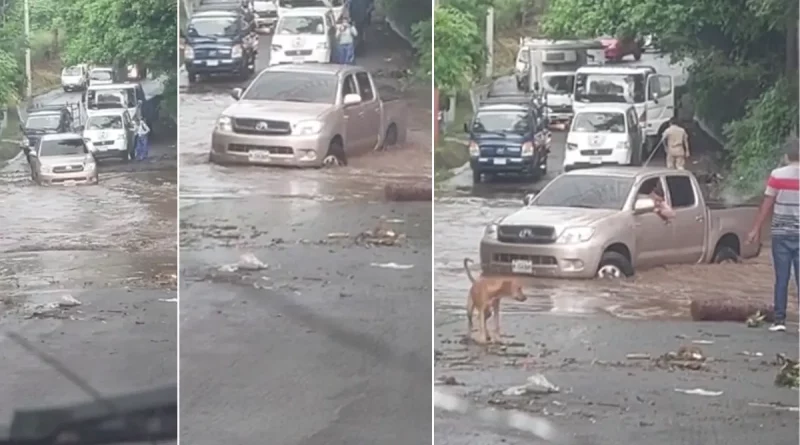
(111, 247)
(327, 342)
(578, 333)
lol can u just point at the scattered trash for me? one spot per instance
(755, 320)
(687, 357)
(380, 236)
(699, 392)
(752, 354)
(703, 342)
(448, 380)
(247, 262)
(789, 374)
(537, 384)
(638, 356)
(168, 300)
(776, 406)
(336, 235)
(392, 266)
(68, 301)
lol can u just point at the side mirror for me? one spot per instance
(236, 93)
(644, 205)
(528, 199)
(351, 99)
(466, 127)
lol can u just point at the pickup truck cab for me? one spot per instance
(303, 35)
(510, 138)
(102, 75)
(220, 42)
(266, 12)
(601, 223)
(309, 115)
(602, 135)
(129, 96)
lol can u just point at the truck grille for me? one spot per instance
(68, 168)
(526, 234)
(299, 52)
(537, 260)
(249, 126)
(603, 152)
(212, 53)
(494, 150)
(242, 148)
(266, 14)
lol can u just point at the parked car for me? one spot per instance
(266, 14)
(604, 134)
(309, 115)
(129, 96)
(220, 42)
(303, 35)
(63, 159)
(75, 78)
(102, 76)
(601, 223)
(616, 49)
(111, 133)
(51, 119)
(508, 138)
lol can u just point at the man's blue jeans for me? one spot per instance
(346, 54)
(785, 259)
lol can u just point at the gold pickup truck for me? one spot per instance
(308, 115)
(601, 223)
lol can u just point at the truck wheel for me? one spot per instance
(614, 265)
(476, 177)
(335, 156)
(390, 138)
(725, 254)
(192, 77)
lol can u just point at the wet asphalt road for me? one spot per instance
(587, 314)
(328, 344)
(113, 248)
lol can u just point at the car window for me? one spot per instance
(681, 191)
(64, 147)
(365, 86)
(290, 86)
(652, 185)
(349, 86)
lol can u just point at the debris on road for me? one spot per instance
(68, 301)
(755, 320)
(168, 300)
(247, 262)
(789, 374)
(55, 309)
(392, 266)
(776, 406)
(751, 354)
(338, 235)
(687, 357)
(448, 380)
(703, 342)
(380, 236)
(730, 310)
(537, 384)
(636, 356)
(699, 392)
(408, 192)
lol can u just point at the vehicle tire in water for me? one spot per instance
(725, 254)
(335, 156)
(614, 265)
(390, 138)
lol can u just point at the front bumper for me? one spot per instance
(318, 56)
(84, 177)
(278, 150)
(574, 159)
(72, 85)
(266, 22)
(215, 66)
(118, 149)
(522, 165)
(546, 260)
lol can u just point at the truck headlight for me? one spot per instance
(527, 149)
(572, 235)
(571, 146)
(47, 169)
(490, 231)
(236, 51)
(307, 127)
(224, 123)
(474, 149)
(623, 145)
(188, 53)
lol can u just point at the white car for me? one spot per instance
(602, 135)
(74, 78)
(305, 35)
(101, 76)
(266, 14)
(129, 96)
(111, 134)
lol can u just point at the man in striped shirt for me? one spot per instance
(782, 201)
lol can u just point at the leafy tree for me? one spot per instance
(459, 49)
(11, 40)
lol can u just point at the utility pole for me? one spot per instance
(489, 43)
(28, 74)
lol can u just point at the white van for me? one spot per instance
(74, 78)
(602, 135)
(653, 95)
(303, 35)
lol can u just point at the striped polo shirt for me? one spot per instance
(784, 185)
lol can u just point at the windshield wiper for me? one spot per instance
(496, 133)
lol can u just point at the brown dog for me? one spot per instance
(485, 295)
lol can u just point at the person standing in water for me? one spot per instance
(142, 131)
(345, 39)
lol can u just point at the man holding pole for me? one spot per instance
(676, 145)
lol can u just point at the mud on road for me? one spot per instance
(314, 346)
(89, 273)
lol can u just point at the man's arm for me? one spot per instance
(765, 211)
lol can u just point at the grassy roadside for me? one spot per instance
(450, 153)
(9, 145)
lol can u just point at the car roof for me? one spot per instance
(604, 108)
(627, 171)
(114, 86)
(605, 69)
(61, 137)
(331, 68)
(46, 109)
(502, 107)
(108, 112)
(305, 12)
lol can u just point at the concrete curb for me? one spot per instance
(404, 192)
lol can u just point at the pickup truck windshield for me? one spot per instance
(301, 25)
(501, 122)
(620, 88)
(558, 83)
(609, 122)
(213, 26)
(46, 122)
(104, 123)
(67, 147)
(586, 192)
(290, 86)
(72, 71)
(110, 99)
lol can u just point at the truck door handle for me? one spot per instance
(698, 218)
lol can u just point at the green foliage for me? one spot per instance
(422, 32)
(11, 40)
(122, 32)
(459, 49)
(756, 140)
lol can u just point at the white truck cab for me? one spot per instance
(652, 94)
(604, 134)
(303, 35)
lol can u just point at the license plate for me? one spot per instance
(595, 160)
(298, 59)
(500, 161)
(522, 266)
(212, 62)
(69, 182)
(259, 155)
